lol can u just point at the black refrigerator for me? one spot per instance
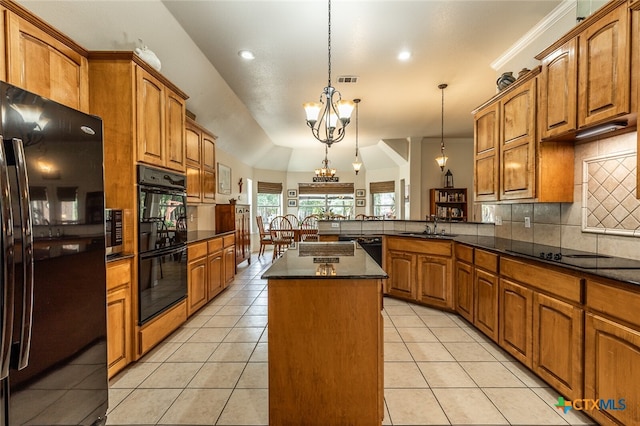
(53, 355)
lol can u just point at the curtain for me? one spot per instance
(381, 187)
(269, 187)
(325, 188)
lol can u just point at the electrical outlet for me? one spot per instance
(527, 222)
(498, 220)
(191, 218)
(335, 225)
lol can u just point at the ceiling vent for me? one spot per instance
(347, 79)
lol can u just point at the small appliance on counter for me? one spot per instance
(113, 231)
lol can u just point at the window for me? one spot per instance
(68, 204)
(324, 199)
(269, 201)
(384, 199)
(321, 204)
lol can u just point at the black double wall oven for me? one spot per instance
(162, 245)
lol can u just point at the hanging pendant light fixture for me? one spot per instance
(329, 118)
(325, 171)
(357, 164)
(442, 160)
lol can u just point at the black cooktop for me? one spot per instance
(580, 259)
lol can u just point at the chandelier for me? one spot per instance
(329, 118)
(325, 171)
(357, 164)
(442, 160)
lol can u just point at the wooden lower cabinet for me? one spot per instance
(464, 290)
(516, 320)
(196, 277)
(612, 355)
(558, 338)
(400, 267)
(434, 280)
(420, 271)
(229, 264)
(119, 335)
(485, 310)
(215, 268)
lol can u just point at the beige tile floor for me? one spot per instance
(438, 370)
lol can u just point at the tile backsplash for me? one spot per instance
(605, 215)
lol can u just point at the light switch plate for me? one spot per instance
(498, 220)
(335, 225)
(527, 222)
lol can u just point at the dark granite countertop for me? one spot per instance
(195, 236)
(325, 261)
(612, 267)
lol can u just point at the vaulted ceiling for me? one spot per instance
(255, 107)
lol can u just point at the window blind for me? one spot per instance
(269, 187)
(380, 187)
(67, 193)
(325, 188)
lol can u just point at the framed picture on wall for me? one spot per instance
(292, 202)
(292, 193)
(224, 179)
(360, 202)
(360, 193)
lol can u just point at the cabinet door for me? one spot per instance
(215, 277)
(175, 119)
(402, 278)
(557, 344)
(150, 118)
(208, 168)
(192, 154)
(119, 329)
(558, 91)
(41, 64)
(612, 356)
(518, 142)
(197, 279)
(486, 145)
(229, 264)
(516, 320)
(119, 325)
(464, 290)
(434, 278)
(486, 303)
(604, 77)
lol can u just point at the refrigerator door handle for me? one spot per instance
(8, 269)
(27, 247)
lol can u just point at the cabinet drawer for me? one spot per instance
(196, 250)
(562, 285)
(486, 260)
(229, 240)
(214, 245)
(464, 253)
(417, 245)
(616, 302)
(118, 274)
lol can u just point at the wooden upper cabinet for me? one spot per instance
(518, 142)
(557, 92)
(604, 68)
(200, 163)
(192, 150)
(150, 118)
(486, 145)
(161, 120)
(43, 61)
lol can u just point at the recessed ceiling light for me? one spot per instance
(404, 55)
(246, 54)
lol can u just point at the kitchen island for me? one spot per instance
(325, 336)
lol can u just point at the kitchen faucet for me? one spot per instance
(427, 229)
(435, 224)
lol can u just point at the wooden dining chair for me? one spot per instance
(361, 217)
(282, 235)
(295, 223)
(265, 236)
(309, 228)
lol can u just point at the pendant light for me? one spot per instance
(357, 164)
(442, 160)
(329, 118)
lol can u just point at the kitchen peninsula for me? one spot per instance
(325, 336)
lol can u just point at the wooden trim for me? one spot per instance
(529, 76)
(192, 122)
(126, 55)
(153, 333)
